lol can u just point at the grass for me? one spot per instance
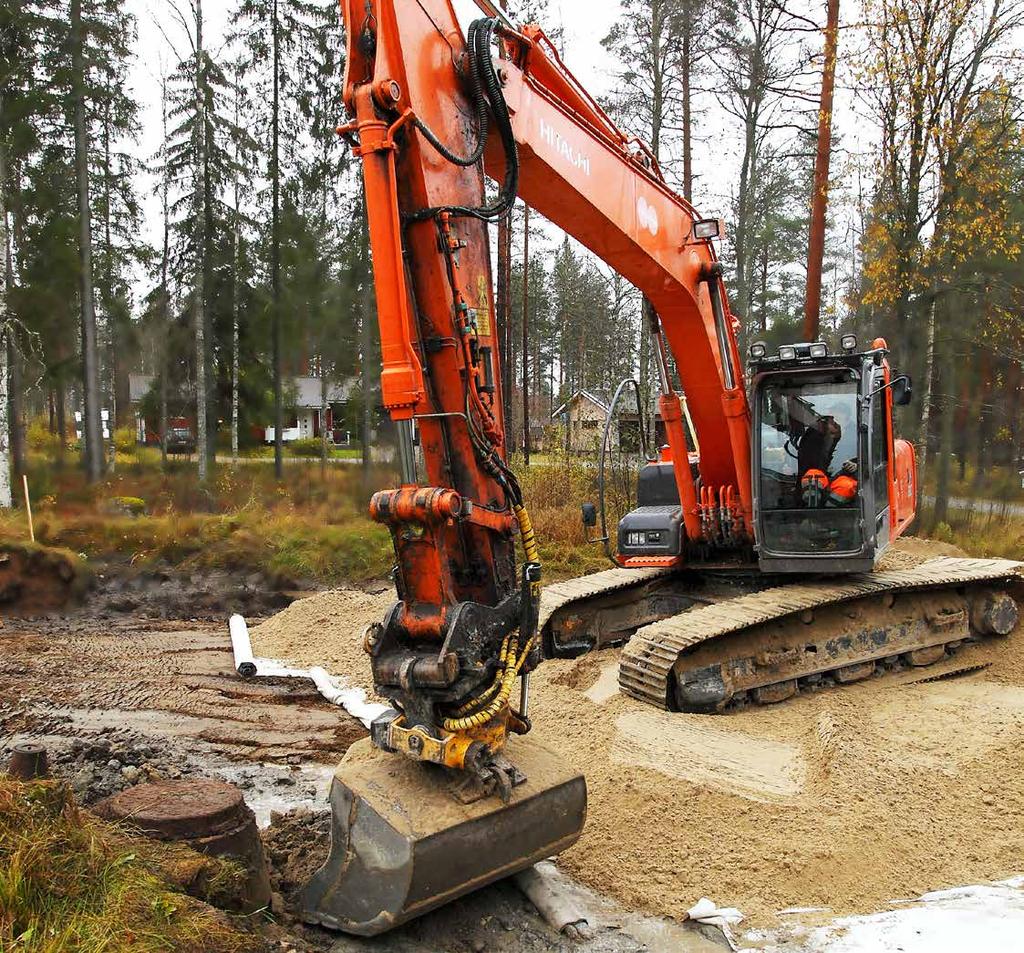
(312, 526)
(979, 534)
(1001, 483)
(69, 882)
(315, 525)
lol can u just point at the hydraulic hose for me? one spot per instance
(486, 89)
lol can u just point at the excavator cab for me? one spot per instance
(831, 484)
(822, 455)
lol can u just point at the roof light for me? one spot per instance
(818, 349)
(849, 343)
(787, 352)
(758, 350)
(708, 228)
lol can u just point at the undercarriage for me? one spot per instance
(706, 642)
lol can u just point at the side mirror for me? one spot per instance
(902, 391)
(589, 513)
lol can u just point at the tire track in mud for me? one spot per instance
(177, 685)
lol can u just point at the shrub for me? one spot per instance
(125, 440)
(306, 447)
(40, 439)
(132, 505)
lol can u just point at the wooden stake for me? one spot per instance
(28, 508)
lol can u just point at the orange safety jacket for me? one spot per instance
(843, 490)
(814, 486)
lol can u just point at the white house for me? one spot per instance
(304, 407)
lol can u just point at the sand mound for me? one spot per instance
(847, 798)
(910, 551)
(327, 630)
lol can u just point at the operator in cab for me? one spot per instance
(817, 447)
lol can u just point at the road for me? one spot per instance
(981, 506)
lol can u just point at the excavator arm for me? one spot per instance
(568, 160)
(431, 111)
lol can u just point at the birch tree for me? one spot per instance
(92, 429)
(5, 454)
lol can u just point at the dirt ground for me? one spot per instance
(118, 700)
(842, 799)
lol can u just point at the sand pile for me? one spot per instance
(847, 798)
(326, 630)
(910, 551)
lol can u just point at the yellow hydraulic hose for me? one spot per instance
(510, 659)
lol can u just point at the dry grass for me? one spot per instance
(315, 526)
(980, 534)
(553, 491)
(310, 527)
(69, 882)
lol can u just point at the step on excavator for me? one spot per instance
(744, 575)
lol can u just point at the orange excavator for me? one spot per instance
(796, 472)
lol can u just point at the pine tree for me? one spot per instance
(275, 35)
(199, 158)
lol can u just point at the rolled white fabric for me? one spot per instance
(353, 700)
(544, 886)
(241, 646)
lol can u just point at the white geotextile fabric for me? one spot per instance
(353, 700)
(707, 911)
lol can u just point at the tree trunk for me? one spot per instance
(163, 404)
(112, 419)
(17, 407)
(275, 251)
(237, 245)
(686, 68)
(165, 304)
(926, 394)
(119, 356)
(234, 388)
(983, 430)
(819, 197)
(947, 430)
(17, 401)
(199, 303)
(323, 418)
(92, 429)
(6, 501)
(60, 399)
(5, 457)
(526, 335)
(503, 316)
(365, 347)
(748, 176)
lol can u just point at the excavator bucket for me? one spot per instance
(403, 843)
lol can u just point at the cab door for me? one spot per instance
(879, 459)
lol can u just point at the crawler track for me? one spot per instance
(619, 592)
(736, 635)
